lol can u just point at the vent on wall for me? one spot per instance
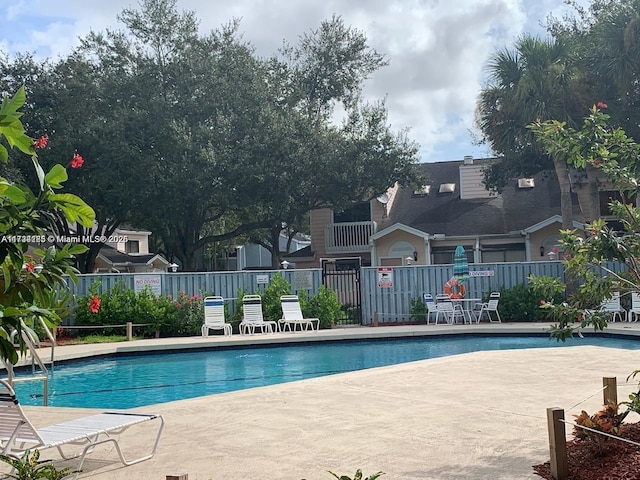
(424, 190)
(447, 188)
(526, 183)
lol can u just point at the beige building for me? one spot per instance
(424, 226)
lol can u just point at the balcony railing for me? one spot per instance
(348, 237)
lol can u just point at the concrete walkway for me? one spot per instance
(472, 416)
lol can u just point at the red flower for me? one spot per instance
(602, 105)
(94, 304)
(31, 267)
(77, 161)
(597, 163)
(542, 302)
(40, 142)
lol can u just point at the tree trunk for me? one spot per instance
(275, 247)
(594, 194)
(566, 207)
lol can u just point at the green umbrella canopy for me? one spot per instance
(460, 265)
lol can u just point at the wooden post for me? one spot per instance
(129, 331)
(610, 392)
(375, 319)
(557, 443)
(178, 476)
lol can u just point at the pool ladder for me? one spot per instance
(39, 371)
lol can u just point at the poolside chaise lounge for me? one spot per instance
(17, 434)
(292, 315)
(214, 316)
(252, 316)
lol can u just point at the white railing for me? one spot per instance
(39, 371)
(348, 237)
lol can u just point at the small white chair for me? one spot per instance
(214, 316)
(490, 306)
(449, 311)
(612, 305)
(634, 311)
(252, 316)
(292, 315)
(431, 306)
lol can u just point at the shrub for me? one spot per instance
(607, 420)
(116, 307)
(357, 476)
(418, 310)
(31, 468)
(271, 307)
(189, 315)
(325, 306)
(521, 304)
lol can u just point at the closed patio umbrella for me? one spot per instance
(460, 265)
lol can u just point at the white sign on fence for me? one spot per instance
(303, 280)
(482, 273)
(154, 282)
(262, 279)
(385, 277)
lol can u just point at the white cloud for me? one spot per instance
(437, 48)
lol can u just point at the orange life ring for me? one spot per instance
(454, 289)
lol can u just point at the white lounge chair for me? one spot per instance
(214, 316)
(489, 307)
(292, 315)
(252, 316)
(634, 311)
(17, 434)
(612, 305)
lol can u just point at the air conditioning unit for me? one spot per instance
(447, 188)
(526, 183)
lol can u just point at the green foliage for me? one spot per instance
(30, 468)
(28, 282)
(180, 317)
(418, 310)
(357, 476)
(325, 306)
(634, 398)
(271, 307)
(522, 304)
(595, 146)
(189, 315)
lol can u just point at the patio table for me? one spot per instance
(467, 305)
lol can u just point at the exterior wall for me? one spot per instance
(317, 220)
(393, 249)
(547, 238)
(471, 182)
(254, 256)
(141, 236)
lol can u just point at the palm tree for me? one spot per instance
(536, 80)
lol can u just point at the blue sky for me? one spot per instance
(437, 49)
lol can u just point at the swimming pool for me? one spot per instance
(138, 380)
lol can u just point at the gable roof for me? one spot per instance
(114, 257)
(398, 226)
(514, 209)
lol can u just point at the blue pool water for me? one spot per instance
(133, 381)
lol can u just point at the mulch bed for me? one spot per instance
(619, 461)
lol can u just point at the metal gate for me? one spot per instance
(342, 275)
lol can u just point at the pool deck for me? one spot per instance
(473, 416)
